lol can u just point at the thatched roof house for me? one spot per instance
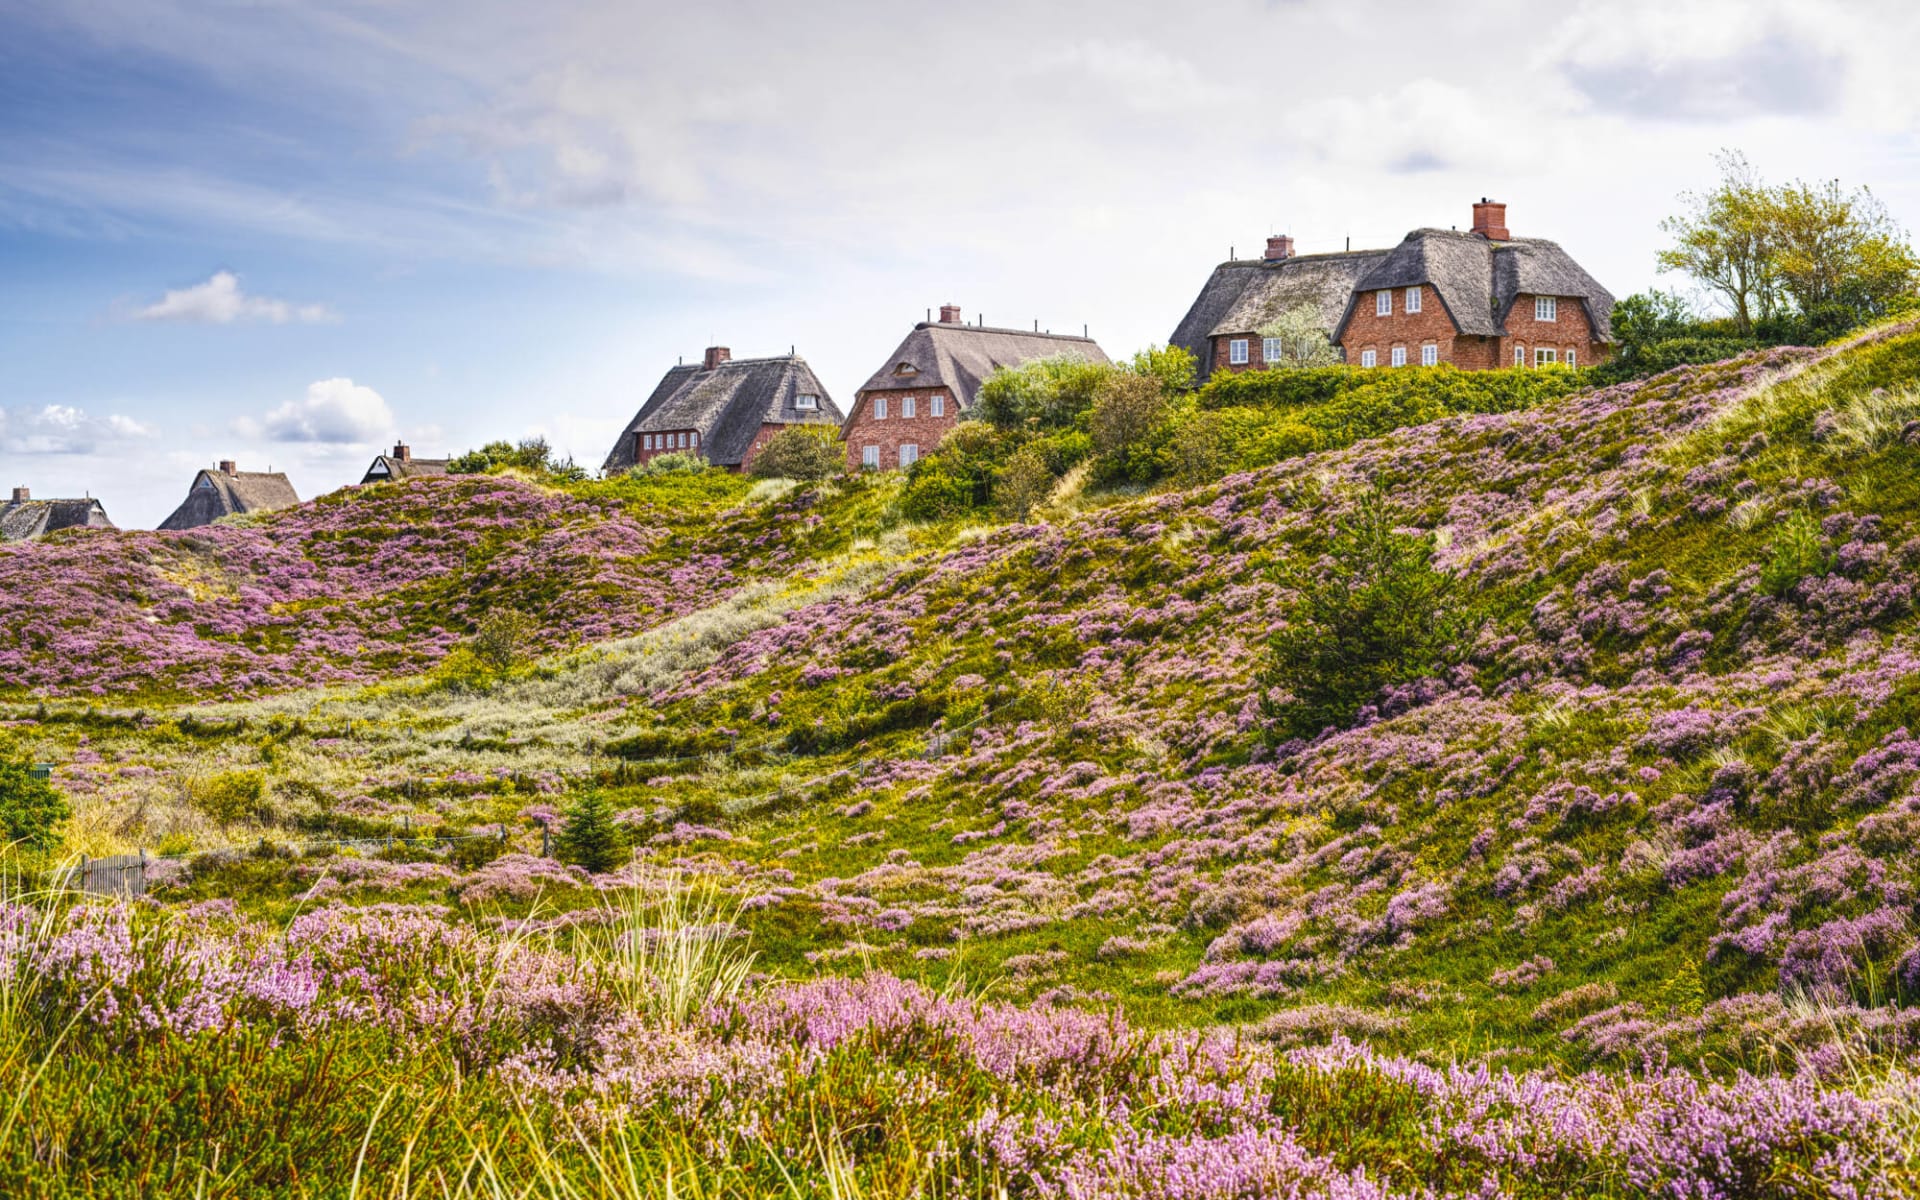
(1475, 298)
(23, 517)
(226, 491)
(401, 464)
(724, 409)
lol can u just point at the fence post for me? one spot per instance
(86, 872)
(546, 843)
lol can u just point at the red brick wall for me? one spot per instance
(1368, 331)
(1569, 331)
(892, 431)
(642, 455)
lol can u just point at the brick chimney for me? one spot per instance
(22, 495)
(949, 314)
(402, 452)
(717, 355)
(1279, 247)
(227, 467)
(1490, 220)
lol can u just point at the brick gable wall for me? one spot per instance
(1570, 331)
(891, 432)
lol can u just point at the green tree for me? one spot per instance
(1373, 612)
(1839, 250)
(807, 452)
(502, 639)
(1129, 410)
(1303, 341)
(1024, 485)
(1173, 366)
(1727, 239)
(1046, 393)
(31, 809)
(533, 454)
(589, 836)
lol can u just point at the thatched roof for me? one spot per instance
(217, 494)
(961, 357)
(23, 519)
(1478, 280)
(1245, 295)
(727, 403)
(387, 469)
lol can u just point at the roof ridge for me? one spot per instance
(1068, 337)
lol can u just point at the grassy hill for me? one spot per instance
(1662, 812)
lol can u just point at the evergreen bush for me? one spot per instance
(589, 836)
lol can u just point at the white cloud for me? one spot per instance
(64, 429)
(334, 412)
(220, 301)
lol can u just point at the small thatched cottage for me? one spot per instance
(932, 377)
(724, 410)
(226, 491)
(24, 517)
(401, 464)
(1476, 299)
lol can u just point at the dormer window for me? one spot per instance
(806, 401)
(906, 369)
(1413, 299)
(1546, 308)
(1383, 303)
(205, 482)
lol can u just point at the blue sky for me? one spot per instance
(290, 232)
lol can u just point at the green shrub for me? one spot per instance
(1375, 613)
(808, 452)
(1024, 485)
(958, 477)
(1129, 428)
(589, 837)
(1046, 393)
(533, 454)
(679, 462)
(1794, 554)
(229, 796)
(31, 809)
(503, 639)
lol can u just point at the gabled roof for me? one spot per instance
(1245, 295)
(387, 468)
(23, 519)
(1478, 280)
(961, 357)
(217, 494)
(727, 404)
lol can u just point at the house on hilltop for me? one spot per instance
(23, 517)
(930, 381)
(1476, 299)
(226, 491)
(401, 464)
(725, 410)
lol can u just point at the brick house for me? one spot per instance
(930, 381)
(23, 517)
(725, 409)
(227, 491)
(401, 464)
(1476, 300)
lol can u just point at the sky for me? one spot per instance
(289, 232)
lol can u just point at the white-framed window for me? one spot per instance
(937, 405)
(909, 454)
(1271, 350)
(1543, 355)
(1430, 355)
(1399, 356)
(870, 457)
(1546, 308)
(907, 406)
(806, 400)
(1367, 358)
(646, 441)
(1413, 299)
(1383, 304)
(1519, 356)
(1570, 361)
(693, 439)
(1237, 351)
(879, 408)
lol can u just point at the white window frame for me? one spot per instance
(1569, 359)
(1399, 356)
(693, 439)
(1383, 303)
(1546, 308)
(1237, 352)
(1519, 356)
(1430, 355)
(879, 408)
(1545, 355)
(646, 441)
(909, 454)
(1271, 350)
(937, 405)
(1413, 299)
(1368, 358)
(870, 458)
(908, 407)
(806, 400)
